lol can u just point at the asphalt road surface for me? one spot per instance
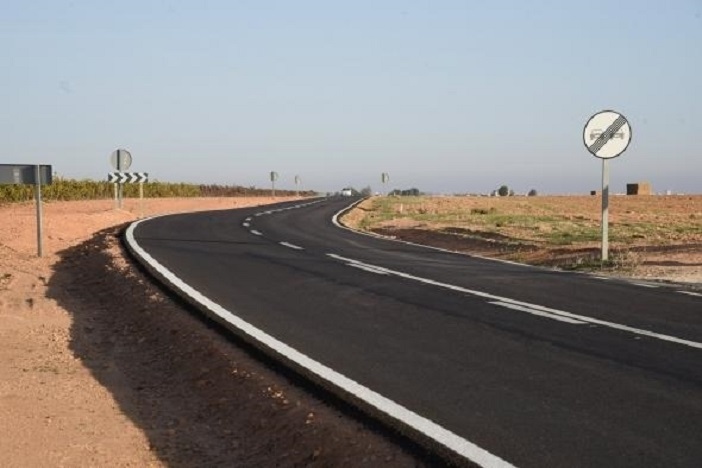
(492, 362)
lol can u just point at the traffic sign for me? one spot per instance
(274, 176)
(121, 159)
(127, 177)
(25, 174)
(385, 177)
(607, 134)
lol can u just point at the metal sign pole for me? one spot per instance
(119, 185)
(141, 199)
(605, 210)
(40, 218)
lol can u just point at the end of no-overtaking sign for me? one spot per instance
(607, 134)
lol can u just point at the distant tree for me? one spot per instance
(532, 193)
(366, 192)
(503, 191)
(413, 192)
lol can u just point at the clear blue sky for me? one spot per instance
(445, 96)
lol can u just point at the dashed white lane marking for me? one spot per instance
(531, 307)
(255, 232)
(291, 246)
(690, 293)
(280, 210)
(248, 219)
(537, 311)
(246, 224)
(368, 269)
(644, 285)
(427, 427)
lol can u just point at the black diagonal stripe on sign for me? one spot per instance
(605, 136)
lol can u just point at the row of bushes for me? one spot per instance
(69, 189)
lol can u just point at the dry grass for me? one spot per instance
(562, 231)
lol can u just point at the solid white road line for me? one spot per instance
(255, 232)
(534, 311)
(430, 429)
(562, 313)
(291, 246)
(368, 269)
(690, 293)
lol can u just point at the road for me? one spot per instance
(493, 362)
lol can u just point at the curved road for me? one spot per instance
(497, 363)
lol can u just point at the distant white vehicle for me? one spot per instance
(347, 192)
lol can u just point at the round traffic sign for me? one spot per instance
(607, 134)
(121, 159)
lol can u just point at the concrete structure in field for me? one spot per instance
(639, 188)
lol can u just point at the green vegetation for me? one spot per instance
(69, 189)
(534, 220)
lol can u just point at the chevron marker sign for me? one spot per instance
(127, 177)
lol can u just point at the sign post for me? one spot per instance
(121, 160)
(40, 211)
(606, 135)
(297, 184)
(29, 174)
(274, 177)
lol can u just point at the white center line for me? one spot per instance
(368, 269)
(246, 224)
(255, 232)
(535, 311)
(531, 307)
(291, 246)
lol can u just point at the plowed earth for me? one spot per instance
(98, 367)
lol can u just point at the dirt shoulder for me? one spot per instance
(98, 367)
(653, 238)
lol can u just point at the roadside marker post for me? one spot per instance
(120, 178)
(29, 174)
(385, 178)
(606, 135)
(274, 177)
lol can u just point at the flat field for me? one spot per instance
(656, 237)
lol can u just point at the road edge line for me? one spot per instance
(314, 370)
